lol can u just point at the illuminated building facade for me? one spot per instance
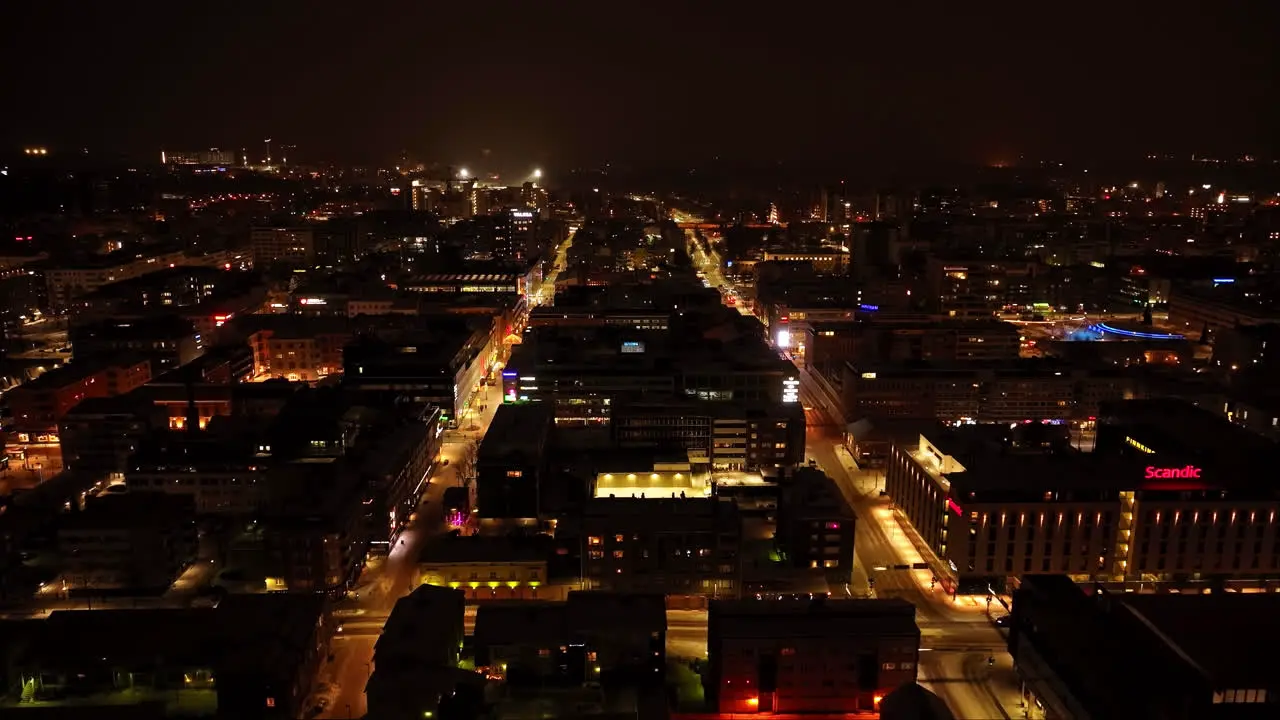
(39, 405)
(292, 246)
(808, 656)
(302, 356)
(732, 435)
(487, 567)
(584, 370)
(967, 288)
(1152, 503)
(687, 547)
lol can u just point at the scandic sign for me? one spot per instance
(1188, 472)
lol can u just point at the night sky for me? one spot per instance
(556, 84)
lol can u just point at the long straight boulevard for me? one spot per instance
(963, 655)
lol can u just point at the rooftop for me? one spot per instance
(1229, 637)
(266, 634)
(131, 509)
(78, 370)
(520, 429)
(550, 623)
(485, 549)
(1040, 368)
(663, 514)
(601, 348)
(821, 617)
(1174, 423)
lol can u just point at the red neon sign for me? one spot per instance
(1182, 473)
(954, 507)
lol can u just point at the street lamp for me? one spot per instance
(463, 173)
(537, 174)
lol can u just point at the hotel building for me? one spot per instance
(1171, 495)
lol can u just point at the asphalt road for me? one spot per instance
(386, 580)
(957, 639)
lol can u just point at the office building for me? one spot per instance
(996, 392)
(974, 288)
(583, 371)
(731, 435)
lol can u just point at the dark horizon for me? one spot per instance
(665, 86)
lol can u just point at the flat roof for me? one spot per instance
(1230, 637)
(1179, 424)
(517, 428)
(268, 632)
(820, 617)
(653, 484)
(1040, 368)
(572, 349)
(485, 549)
(666, 513)
(464, 278)
(78, 370)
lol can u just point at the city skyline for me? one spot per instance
(663, 86)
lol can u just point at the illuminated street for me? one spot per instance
(388, 579)
(958, 638)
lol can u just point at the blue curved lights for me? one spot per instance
(1105, 328)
